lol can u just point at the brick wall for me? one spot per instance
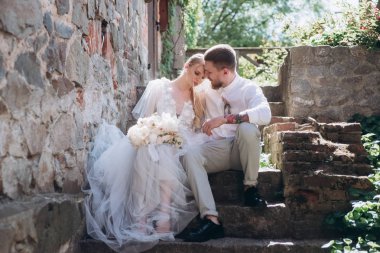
(320, 164)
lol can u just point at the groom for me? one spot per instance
(235, 106)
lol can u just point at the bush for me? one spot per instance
(356, 27)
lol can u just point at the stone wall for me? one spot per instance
(331, 83)
(65, 66)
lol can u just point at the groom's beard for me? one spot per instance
(217, 84)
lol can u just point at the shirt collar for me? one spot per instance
(232, 85)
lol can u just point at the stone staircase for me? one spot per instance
(317, 165)
(273, 230)
(247, 229)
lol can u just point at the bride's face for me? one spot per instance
(196, 74)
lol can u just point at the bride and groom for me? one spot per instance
(136, 198)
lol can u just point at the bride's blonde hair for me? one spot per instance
(195, 97)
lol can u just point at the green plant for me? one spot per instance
(356, 27)
(265, 161)
(362, 223)
(369, 124)
(191, 10)
(266, 72)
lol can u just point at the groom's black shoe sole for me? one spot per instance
(206, 231)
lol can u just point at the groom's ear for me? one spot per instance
(225, 71)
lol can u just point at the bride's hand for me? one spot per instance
(213, 123)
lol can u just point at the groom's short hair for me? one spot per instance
(222, 56)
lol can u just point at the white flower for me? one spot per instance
(155, 129)
(169, 123)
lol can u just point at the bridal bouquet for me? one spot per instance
(156, 129)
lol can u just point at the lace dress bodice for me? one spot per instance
(158, 97)
(167, 104)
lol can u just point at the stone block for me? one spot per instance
(48, 22)
(63, 6)
(322, 51)
(14, 20)
(224, 245)
(45, 223)
(79, 16)
(300, 55)
(319, 71)
(2, 67)
(247, 222)
(279, 119)
(63, 29)
(272, 93)
(350, 138)
(304, 156)
(338, 69)
(16, 94)
(338, 182)
(3, 108)
(297, 167)
(277, 108)
(341, 127)
(311, 225)
(348, 169)
(28, 65)
(279, 127)
(300, 87)
(16, 176)
(227, 186)
(77, 64)
(35, 134)
(62, 86)
(62, 134)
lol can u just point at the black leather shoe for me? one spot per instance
(206, 231)
(253, 199)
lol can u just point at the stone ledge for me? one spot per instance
(225, 245)
(42, 223)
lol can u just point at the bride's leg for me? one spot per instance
(163, 224)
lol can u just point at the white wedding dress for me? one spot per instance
(131, 192)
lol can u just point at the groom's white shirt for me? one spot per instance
(244, 96)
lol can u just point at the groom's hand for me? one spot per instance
(213, 123)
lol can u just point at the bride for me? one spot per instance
(135, 198)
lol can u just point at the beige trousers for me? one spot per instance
(241, 153)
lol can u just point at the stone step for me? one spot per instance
(225, 245)
(247, 222)
(227, 186)
(277, 108)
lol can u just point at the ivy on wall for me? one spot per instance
(189, 19)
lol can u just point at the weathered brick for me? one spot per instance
(353, 137)
(357, 149)
(297, 136)
(334, 137)
(328, 195)
(278, 119)
(304, 155)
(296, 167)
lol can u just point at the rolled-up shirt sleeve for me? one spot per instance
(258, 107)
